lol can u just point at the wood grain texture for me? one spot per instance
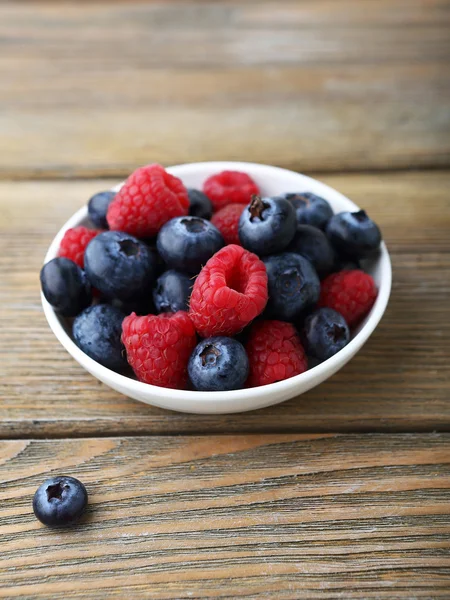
(398, 382)
(99, 88)
(285, 517)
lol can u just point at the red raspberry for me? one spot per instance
(351, 293)
(274, 352)
(227, 221)
(230, 291)
(159, 346)
(149, 198)
(230, 187)
(74, 243)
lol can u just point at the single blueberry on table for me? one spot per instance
(97, 331)
(200, 204)
(313, 244)
(267, 225)
(187, 243)
(310, 209)
(172, 291)
(65, 286)
(60, 501)
(294, 286)
(120, 266)
(353, 234)
(98, 207)
(325, 332)
(218, 364)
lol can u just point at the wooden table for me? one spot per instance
(340, 493)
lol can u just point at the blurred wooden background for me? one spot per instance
(343, 492)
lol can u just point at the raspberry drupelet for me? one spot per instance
(230, 291)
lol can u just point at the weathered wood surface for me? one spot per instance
(99, 88)
(398, 382)
(255, 516)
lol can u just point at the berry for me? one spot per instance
(275, 353)
(310, 209)
(172, 292)
(60, 501)
(345, 264)
(142, 305)
(97, 332)
(149, 198)
(325, 332)
(313, 244)
(350, 293)
(218, 364)
(98, 207)
(186, 243)
(227, 222)
(65, 286)
(159, 346)
(74, 243)
(199, 204)
(230, 291)
(230, 187)
(267, 225)
(294, 286)
(120, 266)
(353, 235)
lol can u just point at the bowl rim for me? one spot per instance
(305, 380)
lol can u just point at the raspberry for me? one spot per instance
(230, 187)
(158, 347)
(74, 243)
(149, 198)
(227, 221)
(275, 353)
(230, 291)
(350, 293)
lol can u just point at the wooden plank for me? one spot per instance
(95, 89)
(398, 382)
(253, 516)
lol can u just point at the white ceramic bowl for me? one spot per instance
(271, 181)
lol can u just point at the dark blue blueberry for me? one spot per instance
(313, 244)
(325, 332)
(187, 243)
(65, 286)
(172, 291)
(200, 204)
(120, 266)
(218, 364)
(98, 207)
(141, 305)
(353, 234)
(97, 332)
(294, 286)
(60, 501)
(267, 225)
(310, 209)
(345, 264)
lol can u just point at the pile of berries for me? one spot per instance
(217, 289)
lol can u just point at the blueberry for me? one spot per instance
(172, 292)
(353, 234)
(310, 209)
(325, 332)
(294, 286)
(119, 265)
(98, 207)
(186, 243)
(65, 286)
(267, 225)
(218, 364)
(313, 244)
(141, 305)
(60, 501)
(97, 331)
(200, 204)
